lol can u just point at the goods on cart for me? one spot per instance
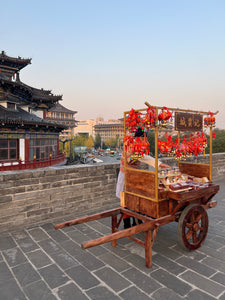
(174, 180)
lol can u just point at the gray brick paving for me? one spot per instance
(198, 295)
(70, 292)
(165, 293)
(39, 262)
(39, 290)
(222, 297)
(112, 279)
(39, 259)
(203, 283)
(14, 256)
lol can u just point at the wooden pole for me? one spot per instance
(124, 153)
(179, 109)
(148, 225)
(119, 234)
(156, 158)
(114, 225)
(210, 155)
(148, 248)
(85, 219)
(178, 137)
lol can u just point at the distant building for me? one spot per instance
(106, 129)
(110, 129)
(85, 127)
(26, 139)
(64, 116)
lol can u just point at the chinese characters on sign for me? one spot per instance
(188, 122)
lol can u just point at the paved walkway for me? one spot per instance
(42, 263)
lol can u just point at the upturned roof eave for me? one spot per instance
(21, 62)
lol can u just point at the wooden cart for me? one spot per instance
(143, 200)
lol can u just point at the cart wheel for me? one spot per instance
(192, 227)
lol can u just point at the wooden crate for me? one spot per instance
(196, 170)
(140, 194)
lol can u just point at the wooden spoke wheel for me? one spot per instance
(192, 227)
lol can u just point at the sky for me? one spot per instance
(108, 56)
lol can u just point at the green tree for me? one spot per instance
(89, 143)
(69, 147)
(97, 141)
(151, 140)
(111, 143)
(219, 141)
(79, 140)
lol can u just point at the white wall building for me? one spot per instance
(85, 127)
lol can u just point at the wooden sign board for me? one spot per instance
(188, 122)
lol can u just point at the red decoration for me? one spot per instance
(149, 120)
(133, 120)
(194, 146)
(210, 120)
(165, 116)
(136, 147)
(140, 147)
(166, 146)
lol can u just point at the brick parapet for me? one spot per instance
(32, 196)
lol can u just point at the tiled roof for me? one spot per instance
(21, 116)
(60, 108)
(17, 62)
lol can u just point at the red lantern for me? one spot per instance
(165, 116)
(133, 120)
(210, 120)
(136, 147)
(149, 120)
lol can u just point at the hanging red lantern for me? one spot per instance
(140, 147)
(149, 120)
(166, 146)
(210, 120)
(165, 116)
(136, 147)
(133, 120)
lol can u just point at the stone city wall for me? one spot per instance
(33, 196)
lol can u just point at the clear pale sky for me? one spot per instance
(108, 56)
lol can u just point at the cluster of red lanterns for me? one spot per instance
(194, 146)
(210, 120)
(149, 120)
(136, 146)
(133, 120)
(165, 116)
(166, 146)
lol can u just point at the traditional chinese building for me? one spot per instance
(27, 140)
(62, 115)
